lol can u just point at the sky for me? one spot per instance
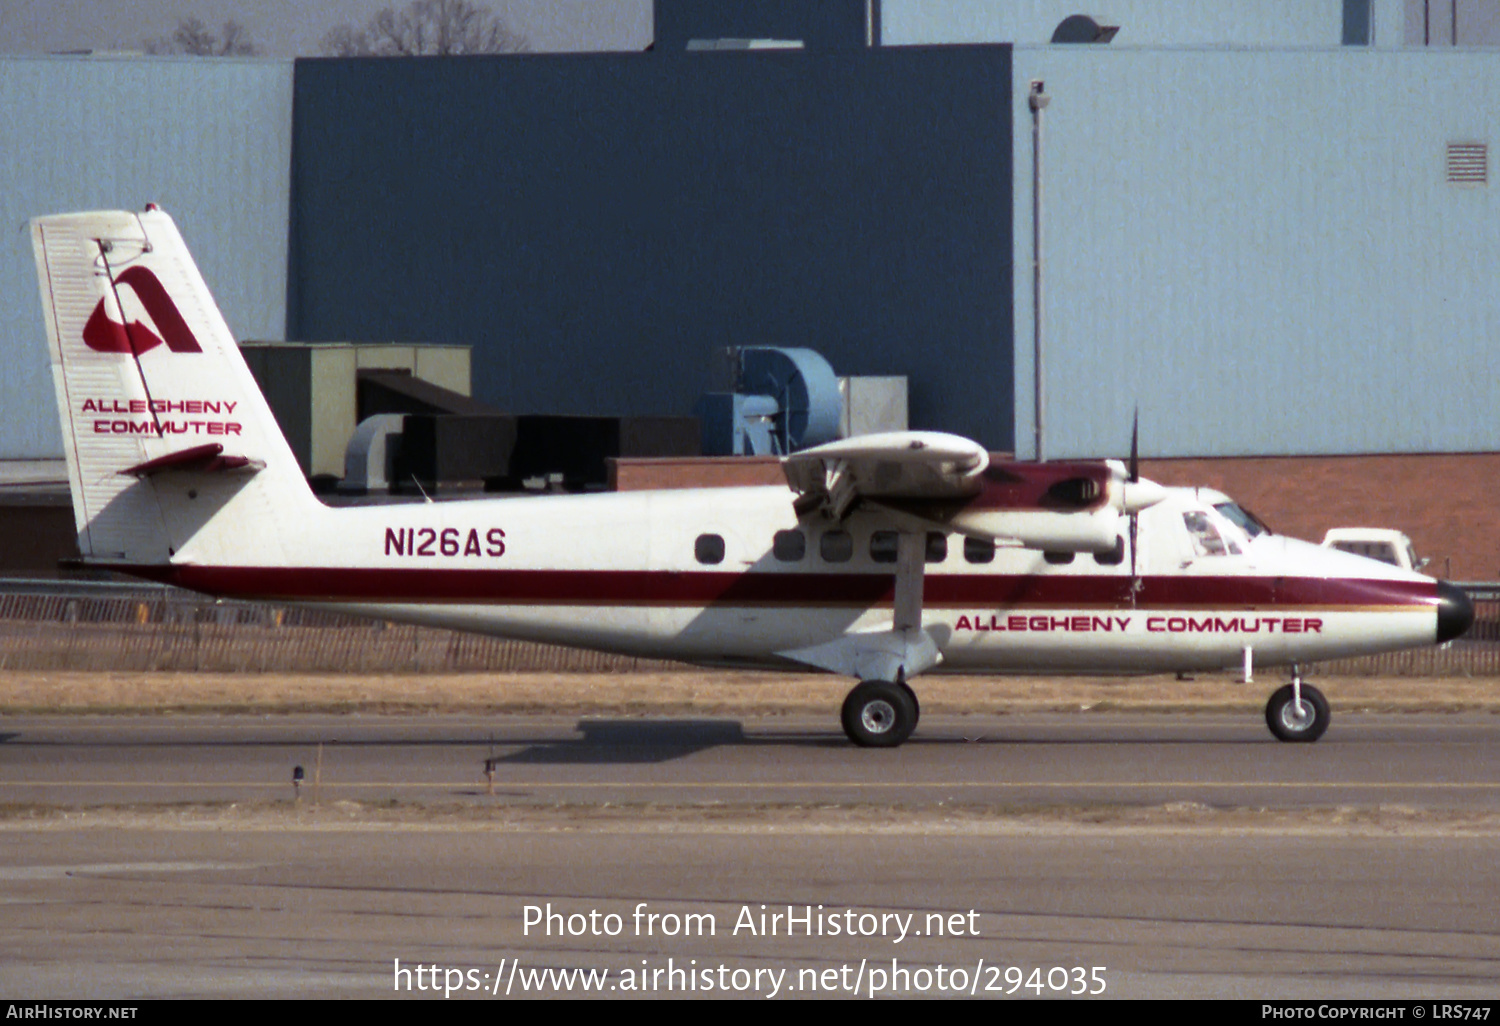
(294, 28)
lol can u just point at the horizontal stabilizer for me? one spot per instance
(200, 459)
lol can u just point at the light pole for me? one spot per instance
(1038, 101)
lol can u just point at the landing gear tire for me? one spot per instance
(1290, 723)
(916, 707)
(879, 715)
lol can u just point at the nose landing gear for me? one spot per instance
(1298, 711)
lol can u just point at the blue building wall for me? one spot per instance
(209, 141)
(826, 24)
(601, 227)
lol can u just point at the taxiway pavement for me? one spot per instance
(1183, 856)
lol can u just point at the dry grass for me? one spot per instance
(702, 692)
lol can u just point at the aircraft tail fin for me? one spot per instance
(173, 454)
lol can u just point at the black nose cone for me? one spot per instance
(1455, 612)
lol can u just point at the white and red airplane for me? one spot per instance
(887, 557)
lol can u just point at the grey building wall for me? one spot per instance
(1452, 23)
(207, 140)
(1155, 23)
(1387, 24)
(1262, 250)
(1152, 23)
(599, 228)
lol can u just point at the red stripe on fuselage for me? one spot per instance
(701, 588)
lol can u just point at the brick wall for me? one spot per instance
(1448, 504)
(633, 474)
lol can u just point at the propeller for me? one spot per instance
(1133, 477)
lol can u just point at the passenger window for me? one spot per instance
(1058, 558)
(709, 548)
(1206, 538)
(979, 550)
(836, 546)
(883, 547)
(789, 546)
(1114, 557)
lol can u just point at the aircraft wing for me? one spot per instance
(897, 464)
(923, 480)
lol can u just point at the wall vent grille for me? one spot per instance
(1468, 163)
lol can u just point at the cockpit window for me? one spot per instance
(1206, 538)
(1242, 518)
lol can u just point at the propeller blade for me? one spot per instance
(1135, 522)
(1133, 478)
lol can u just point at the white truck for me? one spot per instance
(1384, 544)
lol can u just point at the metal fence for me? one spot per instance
(51, 626)
(1476, 654)
(165, 629)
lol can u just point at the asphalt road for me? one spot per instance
(1188, 856)
(1099, 759)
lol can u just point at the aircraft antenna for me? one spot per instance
(130, 336)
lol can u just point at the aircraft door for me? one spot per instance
(700, 551)
(1162, 546)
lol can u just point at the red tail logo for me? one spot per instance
(107, 336)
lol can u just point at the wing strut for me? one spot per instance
(911, 567)
(894, 653)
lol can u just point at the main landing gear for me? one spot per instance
(1298, 711)
(879, 714)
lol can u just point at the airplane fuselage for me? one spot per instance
(885, 556)
(731, 577)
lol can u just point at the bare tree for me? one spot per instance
(195, 39)
(425, 28)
